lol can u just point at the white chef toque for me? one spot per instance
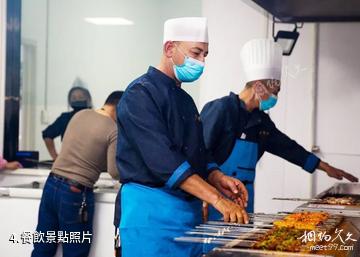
(261, 59)
(193, 29)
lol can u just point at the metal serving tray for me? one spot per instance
(339, 189)
(351, 189)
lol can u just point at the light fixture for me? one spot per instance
(109, 21)
(287, 39)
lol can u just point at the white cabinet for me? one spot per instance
(19, 207)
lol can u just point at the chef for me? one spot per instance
(237, 131)
(161, 155)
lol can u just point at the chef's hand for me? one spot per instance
(231, 211)
(230, 187)
(13, 165)
(336, 173)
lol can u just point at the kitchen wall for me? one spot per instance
(330, 97)
(339, 93)
(230, 26)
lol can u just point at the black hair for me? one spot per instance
(114, 98)
(85, 91)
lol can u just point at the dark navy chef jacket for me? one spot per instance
(226, 119)
(59, 126)
(160, 140)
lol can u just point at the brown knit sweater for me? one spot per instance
(88, 148)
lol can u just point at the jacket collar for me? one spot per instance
(158, 76)
(252, 118)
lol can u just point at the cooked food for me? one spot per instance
(307, 216)
(287, 234)
(282, 239)
(346, 200)
(302, 220)
(295, 225)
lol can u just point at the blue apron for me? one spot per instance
(152, 217)
(241, 165)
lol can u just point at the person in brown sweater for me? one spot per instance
(67, 203)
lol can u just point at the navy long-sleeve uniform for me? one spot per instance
(160, 141)
(226, 119)
(160, 134)
(59, 126)
(160, 144)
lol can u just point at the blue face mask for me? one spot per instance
(189, 71)
(268, 103)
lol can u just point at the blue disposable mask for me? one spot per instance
(268, 103)
(79, 105)
(190, 70)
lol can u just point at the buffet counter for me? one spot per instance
(327, 225)
(20, 194)
(23, 176)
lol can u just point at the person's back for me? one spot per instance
(88, 148)
(68, 202)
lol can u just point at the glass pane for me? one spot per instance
(63, 45)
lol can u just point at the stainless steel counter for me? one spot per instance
(19, 212)
(348, 189)
(105, 190)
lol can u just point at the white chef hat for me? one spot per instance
(192, 29)
(261, 59)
